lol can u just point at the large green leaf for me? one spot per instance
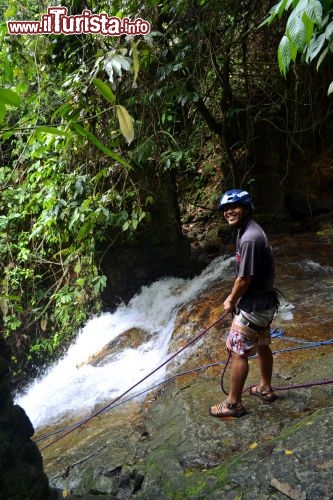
(322, 57)
(277, 10)
(308, 24)
(136, 64)
(330, 89)
(9, 97)
(105, 90)
(299, 6)
(125, 123)
(51, 130)
(3, 222)
(314, 10)
(329, 31)
(92, 138)
(315, 47)
(280, 8)
(296, 31)
(2, 112)
(284, 55)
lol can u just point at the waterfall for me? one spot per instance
(67, 389)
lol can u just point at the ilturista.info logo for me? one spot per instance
(57, 21)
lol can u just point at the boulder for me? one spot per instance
(21, 466)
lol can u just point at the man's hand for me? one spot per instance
(229, 304)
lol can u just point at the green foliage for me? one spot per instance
(309, 32)
(65, 186)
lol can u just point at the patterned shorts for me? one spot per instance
(244, 341)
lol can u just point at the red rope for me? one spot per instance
(303, 385)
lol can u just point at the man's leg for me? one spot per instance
(237, 344)
(233, 406)
(264, 389)
(265, 358)
(239, 372)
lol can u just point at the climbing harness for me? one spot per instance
(119, 399)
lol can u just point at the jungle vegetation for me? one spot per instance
(94, 128)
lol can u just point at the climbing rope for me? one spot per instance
(116, 402)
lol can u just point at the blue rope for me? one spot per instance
(280, 333)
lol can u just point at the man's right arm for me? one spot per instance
(239, 288)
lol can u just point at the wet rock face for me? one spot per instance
(21, 467)
(132, 338)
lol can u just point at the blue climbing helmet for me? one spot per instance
(233, 197)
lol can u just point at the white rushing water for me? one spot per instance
(73, 386)
(66, 388)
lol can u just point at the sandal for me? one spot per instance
(227, 410)
(265, 396)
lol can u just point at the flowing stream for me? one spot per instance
(65, 388)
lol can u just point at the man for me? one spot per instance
(253, 302)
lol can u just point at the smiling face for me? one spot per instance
(235, 214)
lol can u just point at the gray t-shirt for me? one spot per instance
(254, 258)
